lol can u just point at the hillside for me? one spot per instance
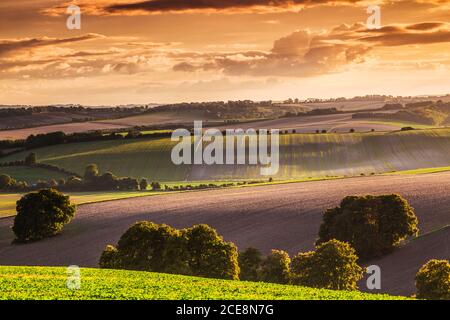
(301, 156)
(285, 217)
(50, 283)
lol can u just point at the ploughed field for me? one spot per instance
(285, 216)
(302, 156)
(50, 283)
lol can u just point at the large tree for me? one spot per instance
(42, 214)
(373, 225)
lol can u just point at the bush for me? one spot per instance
(332, 266)
(143, 184)
(275, 267)
(6, 182)
(31, 159)
(433, 280)
(156, 186)
(42, 214)
(91, 172)
(249, 263)
(197, 251)
(373, 225)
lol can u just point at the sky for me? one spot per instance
(167, 51)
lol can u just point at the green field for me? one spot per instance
(50, 283)
(302, 156)
(8, 201)
(31, 175)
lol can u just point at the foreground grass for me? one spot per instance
(50, 283)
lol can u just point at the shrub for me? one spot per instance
(143, 184)
(110, 258)
(332, 266)
(42, 214)
(433, 280)
(373, 225)
(156, 186)
(31, 159)
(249, 264)
(91, 172)
(6, 181)
(275, 267)
(210, 256)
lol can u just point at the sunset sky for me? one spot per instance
(198, 50)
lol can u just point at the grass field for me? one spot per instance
(50, 283)
(31, 175)
(8, 201)
(302, 156)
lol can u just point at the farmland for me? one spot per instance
(31, 175)
(8, 201)
(284, 216)
(302, 156)
(50, 283)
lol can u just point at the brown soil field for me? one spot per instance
(66, 127)
(309, 124)
(284, 216)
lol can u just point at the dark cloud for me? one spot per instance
(187, 5)
(8, 46)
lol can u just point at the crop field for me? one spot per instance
(8, 201)
(302, 156)
(50, 284)
(68, 128)
(31, 175)
(332, 123)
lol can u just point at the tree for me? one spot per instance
(275, 267)
(209, 255)
(42, 214)
(433, 280)
(197, 251)
(373, 225)
(143, 184)
(156, 186)
(249, 263)
(31, 159)
(91, 172)
(5, 181)
(332, 266)
(147, 246)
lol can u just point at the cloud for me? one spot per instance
(306, 54)
(414, 34)
(8, 46)
(128, 7)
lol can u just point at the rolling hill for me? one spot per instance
(50, 283)
(302, 156)
(285, 217)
